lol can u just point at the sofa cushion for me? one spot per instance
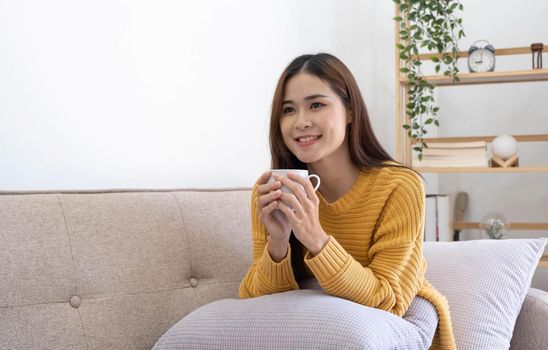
(300, 319)
(485, 283)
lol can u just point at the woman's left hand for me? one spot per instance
(304, 217)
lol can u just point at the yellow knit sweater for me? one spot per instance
(374, 253)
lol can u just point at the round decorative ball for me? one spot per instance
(495, 225)
(504, 146)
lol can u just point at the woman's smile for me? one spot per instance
(307, 140)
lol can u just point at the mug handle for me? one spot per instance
(317, 179)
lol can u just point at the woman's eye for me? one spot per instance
(316, 105)
(287, 110)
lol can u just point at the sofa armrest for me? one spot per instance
(530, 330)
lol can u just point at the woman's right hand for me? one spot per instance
(276, 223)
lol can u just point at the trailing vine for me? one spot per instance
(432, 25)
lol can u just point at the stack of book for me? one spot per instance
(454, 154)
(437, 221)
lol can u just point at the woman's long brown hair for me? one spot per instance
(366, 151)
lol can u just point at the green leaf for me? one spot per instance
(427, 24)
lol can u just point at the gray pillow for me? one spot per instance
(301, 319)
(485, 283)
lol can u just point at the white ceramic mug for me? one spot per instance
(301, 172)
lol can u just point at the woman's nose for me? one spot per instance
(302, 121)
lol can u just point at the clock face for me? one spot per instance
(481, 60)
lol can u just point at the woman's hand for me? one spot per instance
(304, 217)
(276, 223)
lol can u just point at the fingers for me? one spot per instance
(264, 177)
(289, 213)
(291, 202)
(267, 192)
(293, 184)
(266, 187)
(308, 187)
(266, 210)
(269, 197)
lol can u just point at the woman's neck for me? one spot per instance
(336, 179)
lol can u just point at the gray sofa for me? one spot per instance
(115, 269)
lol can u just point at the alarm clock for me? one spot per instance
(481, 58)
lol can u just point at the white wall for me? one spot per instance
(167, 94)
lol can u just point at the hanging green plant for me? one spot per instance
(434, 25)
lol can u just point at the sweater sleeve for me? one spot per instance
(396, 270)
(264, 275)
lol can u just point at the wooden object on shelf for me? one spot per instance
(460, 207)
(536, 49)
(496, 162)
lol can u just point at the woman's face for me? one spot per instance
(314, 119)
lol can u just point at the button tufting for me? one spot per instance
(193, 282)
(75, 301)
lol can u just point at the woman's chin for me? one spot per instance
(307, 158)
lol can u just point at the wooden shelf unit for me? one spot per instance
(404, 144)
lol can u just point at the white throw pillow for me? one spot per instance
(485, 283)
(300, 320)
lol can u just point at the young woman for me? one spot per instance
(360, 235)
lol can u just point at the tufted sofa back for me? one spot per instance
(115, 269)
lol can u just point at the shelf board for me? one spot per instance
(519, 138)
(535, 226)
(543, 261)
(520, 169)
(487, 78)
(523, 50)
